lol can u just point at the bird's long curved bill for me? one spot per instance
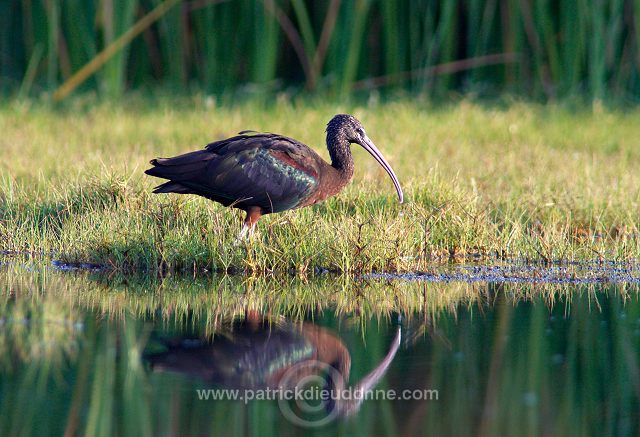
(373, 150)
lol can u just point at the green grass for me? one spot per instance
(520, 181)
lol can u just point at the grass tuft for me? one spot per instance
(526, 182)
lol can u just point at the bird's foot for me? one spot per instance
(245, 235)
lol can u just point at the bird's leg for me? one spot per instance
(244, 232)
(249, 227)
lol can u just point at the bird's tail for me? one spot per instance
(179, 169)
(172, 187)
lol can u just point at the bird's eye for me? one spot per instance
(360, 131)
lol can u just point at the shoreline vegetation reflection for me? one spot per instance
(78, 352)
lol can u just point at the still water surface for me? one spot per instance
(91, 354)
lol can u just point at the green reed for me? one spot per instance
(588, 48)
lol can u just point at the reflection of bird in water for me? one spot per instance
(258, 353)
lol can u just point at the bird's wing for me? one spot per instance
(265, 170)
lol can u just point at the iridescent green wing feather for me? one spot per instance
(265, 170)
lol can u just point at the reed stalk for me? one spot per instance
(588, 48)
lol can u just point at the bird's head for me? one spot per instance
(346, 129)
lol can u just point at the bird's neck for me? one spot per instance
(340, 153)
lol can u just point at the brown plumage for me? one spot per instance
(263, 173)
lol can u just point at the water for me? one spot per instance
(86, 353)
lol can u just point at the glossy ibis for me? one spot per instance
(259, 353)
(263, 173)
